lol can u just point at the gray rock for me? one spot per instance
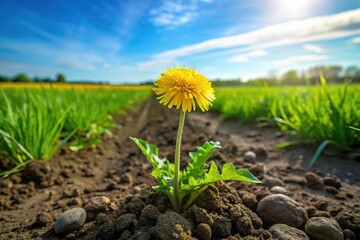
(321, 228)
(168, 224)
(278, 189)
(278, 208)
(250, 156)
(285, 232)
(70, 220)
(271, 182)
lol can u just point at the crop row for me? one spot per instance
(35, 123)
(316, 114)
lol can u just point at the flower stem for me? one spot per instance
(177, 162)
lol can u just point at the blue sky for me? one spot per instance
(133, 41)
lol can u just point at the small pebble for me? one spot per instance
(314, 181)
(70, 220)
(96, 205)
(43, 218)
(278, 189)
(137, 189)
(250, 156)
(322, 205)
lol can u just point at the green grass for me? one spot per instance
(325, 115)
(35, 123)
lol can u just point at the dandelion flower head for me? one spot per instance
(184, 88)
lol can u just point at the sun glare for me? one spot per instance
(293, 9)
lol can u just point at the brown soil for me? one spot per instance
(30, 202)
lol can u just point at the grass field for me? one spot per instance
(36, 120)
(316, 114)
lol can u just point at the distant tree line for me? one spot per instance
(332, 73)
(23, 78)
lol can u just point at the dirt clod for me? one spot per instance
(167, 224)
(203, 231)
(314, 181)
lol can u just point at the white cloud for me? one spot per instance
(299, 31)
(301, 58)
(175, 13)
(355, 40)
(246, 56)
(313, 48)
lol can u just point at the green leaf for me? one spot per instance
(196, 168)
(287, 144)
(151, 153)
(229, 173)
(196, 186)
(163, 170)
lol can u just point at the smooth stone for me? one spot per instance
(250, 156)
(70, 220)
(278, 189)
(322, 228)
(271, 182)
(278, 208)
(285, 232)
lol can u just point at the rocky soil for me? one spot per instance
(106, 193)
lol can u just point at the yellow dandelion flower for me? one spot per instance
(183, 87)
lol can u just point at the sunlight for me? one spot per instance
(293, 9)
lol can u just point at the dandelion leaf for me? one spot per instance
(163, 170)
(196, 167)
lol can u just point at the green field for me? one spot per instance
(315, 114)
(36, 122)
